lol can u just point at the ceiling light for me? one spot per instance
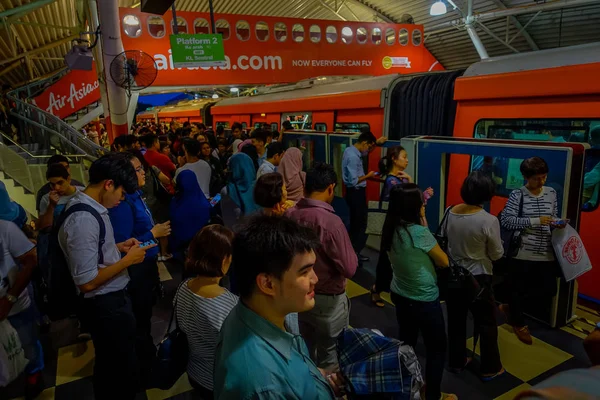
(215, 96)
(234, 90)
(438, 8)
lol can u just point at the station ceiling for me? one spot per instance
(36, 34)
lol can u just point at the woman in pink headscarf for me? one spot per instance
(291, 169)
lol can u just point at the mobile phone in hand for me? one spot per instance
(148, 243)
(215, 200)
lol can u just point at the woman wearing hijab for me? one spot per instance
(10, 210)
(293, 176)
(190, 211)
(237, 197)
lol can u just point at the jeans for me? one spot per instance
(321, 326)
(425, 317)
(532, 284)
(26, 326)
(357, 203)
(141, 289)
(484, 314)
(113, 329)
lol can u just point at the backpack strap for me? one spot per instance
(86, 207)
(440, 228)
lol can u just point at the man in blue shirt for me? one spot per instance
(355, 179)
(132, 219)
(256, 357)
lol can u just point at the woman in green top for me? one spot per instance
(414, 253)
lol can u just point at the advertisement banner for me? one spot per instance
(267, 50)
(74, 91)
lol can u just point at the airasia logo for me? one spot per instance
(572, 251)
(55, 103)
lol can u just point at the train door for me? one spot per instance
(313, 146)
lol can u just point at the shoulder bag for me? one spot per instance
(511, 238)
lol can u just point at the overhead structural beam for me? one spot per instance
(37, 25)
(326, 6)
(380, 14)
(469, 24)
(25, 8)
(40, 49)
(493, 35)
(554, 5)
(519, 26)
(523, 28)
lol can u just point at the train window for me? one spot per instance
(181, 26)
(257, 125)
(262, 31)
(315, 33)
(376, 35)
(416, 37)
(132, 26)
(242, 30)
(298, 33)
(321, 127)
(553, 130)
(244, 125)
(274, 126)
(299, 120)
(224, 124)
(280, 32)
(361, 35)
(201, 26)
(353, 127)
(223, 28)
(156, 27)
(347, 34)
(403, 37)
(331, 34)
(390, 36)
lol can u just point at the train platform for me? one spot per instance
(69, 364)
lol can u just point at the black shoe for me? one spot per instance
(34, 386)
(362, 259)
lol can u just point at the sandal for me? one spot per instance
(487, 378)
(376, 299)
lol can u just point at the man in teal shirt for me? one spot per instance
(256, 357)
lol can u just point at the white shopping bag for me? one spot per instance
(570, 253)
(12, 356)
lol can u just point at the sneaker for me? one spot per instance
(362, 259)
(448, 396)
(523, 334)
(84, 337)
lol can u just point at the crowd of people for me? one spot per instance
(265, 261)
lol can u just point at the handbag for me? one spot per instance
(454, 280)
(511, 238)
(171, 355)
(570, 253)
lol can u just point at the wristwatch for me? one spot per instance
(11, 299)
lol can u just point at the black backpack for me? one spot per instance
(62, 295)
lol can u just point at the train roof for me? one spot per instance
(552, 58)
(313, 88)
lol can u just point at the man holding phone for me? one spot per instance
(100, 274)
(132, 218)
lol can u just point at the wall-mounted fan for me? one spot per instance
(133, 70)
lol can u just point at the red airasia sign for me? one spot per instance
(266, 50)
(74, 91)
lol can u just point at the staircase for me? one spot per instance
(18, 194)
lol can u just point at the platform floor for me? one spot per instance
(69, 364)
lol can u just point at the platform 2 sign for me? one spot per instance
(197, 50)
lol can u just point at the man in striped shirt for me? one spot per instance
(534, 269)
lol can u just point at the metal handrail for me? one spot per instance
(37, 156)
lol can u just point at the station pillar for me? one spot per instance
(112, 45)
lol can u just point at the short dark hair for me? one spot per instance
(121, 141)
(186, 124)
(209, 247)
(148, 140)
(116, 167)
(236, 125)
(57, 158)
(163, 144)
(222, 142)
(57, 171)
(319, 177)
(533, 166)
(268, 190)
(191, 146)
(367, 137)
(287, 125)
(275, 148)
(268, 244)
(220, 130)
(132, 140)
(144, 131)
(477, 188)
(260, 135)
(200, 125)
